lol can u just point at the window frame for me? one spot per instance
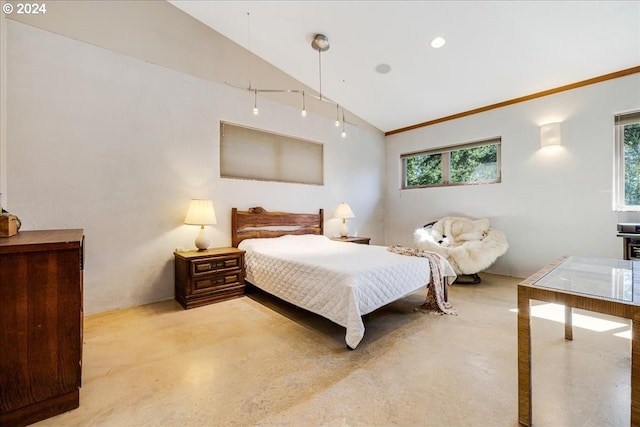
(619, 178)
(445, 152)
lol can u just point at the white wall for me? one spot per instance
(112, 122)
(551, 202)
(117, 146)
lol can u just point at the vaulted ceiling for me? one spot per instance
(494, 50)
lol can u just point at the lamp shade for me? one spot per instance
(343, 211)
(200, 212)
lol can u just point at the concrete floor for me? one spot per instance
(256, 361)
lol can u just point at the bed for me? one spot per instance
(288, 256)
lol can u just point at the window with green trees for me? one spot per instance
(627, 191)
(473, 163)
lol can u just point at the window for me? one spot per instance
(627, 162)
(247, 153)
(473, 163)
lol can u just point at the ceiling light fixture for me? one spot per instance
(320, 43)
(438, 42)
(383, 68)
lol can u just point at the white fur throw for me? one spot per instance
(469, 245)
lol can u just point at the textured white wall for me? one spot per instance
(118, 146)
(551, 202)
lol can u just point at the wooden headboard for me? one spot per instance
(259, 223)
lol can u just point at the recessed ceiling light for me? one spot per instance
(383, 68)
(438, 42)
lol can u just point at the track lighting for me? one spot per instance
(320, 43)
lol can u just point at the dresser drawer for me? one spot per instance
(215, 265)
(216, 281)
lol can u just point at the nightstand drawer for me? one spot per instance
(214, 265)
(215, 282)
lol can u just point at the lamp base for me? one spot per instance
(202, 241)
(344, 231)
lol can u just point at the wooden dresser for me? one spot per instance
(205, 277)
(41, 283)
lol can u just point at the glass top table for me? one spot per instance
(600, 277)
(602, 285)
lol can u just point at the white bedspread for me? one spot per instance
(337, 280)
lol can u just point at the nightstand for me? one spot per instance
(353, 239)
(205, 277)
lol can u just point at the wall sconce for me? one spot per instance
(201, 213)
(343, 211)
(550, 134)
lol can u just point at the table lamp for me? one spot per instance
(201, 213)
(343, 212)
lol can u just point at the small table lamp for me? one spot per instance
(343, 212)
(201, 213)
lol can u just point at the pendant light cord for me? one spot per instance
(320, 71)
(249, 49)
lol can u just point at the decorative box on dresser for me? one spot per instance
(41, 283)
(205, 277)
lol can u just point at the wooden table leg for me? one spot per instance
(635, 370)
(568, 323)
(524, 358)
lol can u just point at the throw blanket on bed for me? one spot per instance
(435, 289)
